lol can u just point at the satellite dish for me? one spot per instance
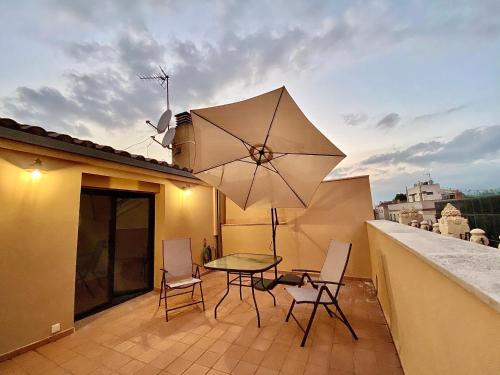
(164, 121)
(168, 138)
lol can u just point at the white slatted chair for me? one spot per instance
(325, 289)
(177, 272)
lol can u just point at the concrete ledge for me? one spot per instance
(474, 267)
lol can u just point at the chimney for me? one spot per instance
(183, 152)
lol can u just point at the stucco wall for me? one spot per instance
(338, 211)
(438, 327)
(38, 236)
(39, 229)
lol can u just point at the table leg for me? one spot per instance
(255, 301)
(222, 299)
(241, 297)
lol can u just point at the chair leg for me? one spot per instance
(166, 305)
(345, 321)
(290, 311)
(328, 311)
(241, 296)
(306, 333)
(162, 286)
(192, 292)
(202, 299)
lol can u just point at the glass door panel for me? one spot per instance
(115, 249)
(92, 282)
(132, 261)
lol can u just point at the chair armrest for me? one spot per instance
(327, 282)
(304, 270)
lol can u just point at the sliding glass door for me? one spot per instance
(115, 249)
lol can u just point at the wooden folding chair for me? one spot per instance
(325, 289)
(177, 272)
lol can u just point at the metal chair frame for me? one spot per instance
(165, 288)
(322, 289)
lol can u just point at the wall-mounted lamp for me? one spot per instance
(187, 190)
(36, 169)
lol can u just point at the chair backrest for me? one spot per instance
(335, 264)
(177, 257)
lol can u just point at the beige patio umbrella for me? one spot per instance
(262, 151)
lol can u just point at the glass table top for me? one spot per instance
(244, 262)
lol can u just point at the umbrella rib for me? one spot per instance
(272, 120)
(287, 184)
(226, 162)
(306, 154)
(251, 184)
(221, 128)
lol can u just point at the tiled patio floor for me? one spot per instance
(133, 338)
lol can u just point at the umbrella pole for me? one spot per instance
(274, 224)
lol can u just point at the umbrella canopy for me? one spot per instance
(262, 151)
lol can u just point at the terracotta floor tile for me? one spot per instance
(178, 348)
(312, 369)
(253, 356)
(193, 353)
(225, 364)
(220, 346)
(163, 360)
(190, 338)
(291, 367)
(90, 349)
(208, 358)
(261, 344)
(55, 371)
(131, 367)
(266, 371)
(235, 351)
(80, 365)
(124, 346)
(298, 354)
(215, 372)
(148, 370)
(244, 368)
(113, 360)
(204, 343)
(132, 338)
(179, 366)
(196, 369)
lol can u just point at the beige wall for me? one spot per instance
(338, 211)
(38, 236)
(39, 230)
(438, 327)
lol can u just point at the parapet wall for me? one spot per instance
(441, 299)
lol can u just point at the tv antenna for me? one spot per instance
(164, 122)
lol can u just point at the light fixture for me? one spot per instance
(36, 169)
(187, 190)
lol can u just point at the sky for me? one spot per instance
(403, 88)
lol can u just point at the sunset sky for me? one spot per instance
(404, 88)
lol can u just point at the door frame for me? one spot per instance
(113, 299)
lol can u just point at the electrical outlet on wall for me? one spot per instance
(55, 328)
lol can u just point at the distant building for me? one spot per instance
(382, 210)
(430, 191)
(422, 197)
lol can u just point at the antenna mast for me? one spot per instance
(162, 79)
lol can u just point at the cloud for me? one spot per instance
(251, 47)
(389, 121)
(354, 119)
(469, 146)
(84, 52)
(439, 114)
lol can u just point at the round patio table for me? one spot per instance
(245, 266)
